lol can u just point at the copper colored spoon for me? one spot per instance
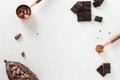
(100, 48)
(24, 11)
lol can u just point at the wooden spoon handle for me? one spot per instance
(115, 38)
(36, 2)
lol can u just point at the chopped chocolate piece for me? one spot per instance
(19, 71)
(97, 3)
(86, 14)
(106, 67)
(98, 19)
(83, 10)
(77, 7)
(100, 70)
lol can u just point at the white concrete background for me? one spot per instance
(64, 48)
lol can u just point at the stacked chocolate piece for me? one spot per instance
(104, 69)
(83, 10)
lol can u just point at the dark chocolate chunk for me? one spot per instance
(86, 14)
(107, 67)
(18, 71)
(100, 70)
(98, 19)
(77, 7)
(97, 3)
(83, 10)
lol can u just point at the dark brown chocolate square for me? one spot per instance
(85, 15)
(98, 19)
(96, 4)
(100, 70)
(83, 10)
(107, 67)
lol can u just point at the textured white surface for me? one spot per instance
(64, 48)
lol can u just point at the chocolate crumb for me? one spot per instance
(37, 33)
(23, 54)
(109, 32)
(100, 31)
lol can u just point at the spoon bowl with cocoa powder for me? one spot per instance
(100, 48)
